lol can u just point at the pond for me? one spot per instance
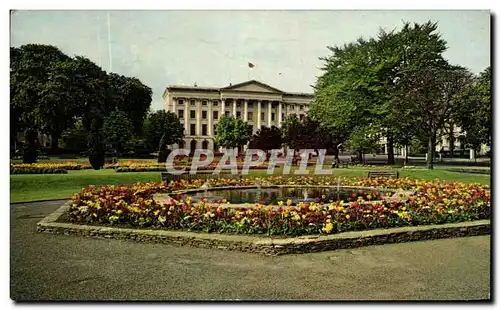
(268, 196)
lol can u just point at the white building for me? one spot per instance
(258, 104)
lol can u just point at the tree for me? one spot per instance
(117, 130)
(266, 139)
(75, 138)
(36, 105)
(130, 95)
(91, 92)
(290, 129)
(473, 111)
(232, 132)
(434, 91)
(162, 129)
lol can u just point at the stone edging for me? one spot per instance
(267, 245)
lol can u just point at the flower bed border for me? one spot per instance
(263, 244)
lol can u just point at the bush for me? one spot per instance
(96, 148)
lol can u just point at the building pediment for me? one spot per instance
(252, 86)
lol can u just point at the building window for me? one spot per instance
(238, 114)
(204, 145)
(272, 117)
(238, 104)
(203, 129)
(180, 113)
(215, 114)
(250, 116)
(192, 114)
(215, 130)
(301, 107)
(226, 113)
(193, 129)
(193, 102)
(292, 107)
(204, 114)
(216, 103)
(204, 102)
(301, 116)
(180, 101)
(262, 116)
(282, 116)
(250, 105)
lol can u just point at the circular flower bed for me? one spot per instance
(434, 202)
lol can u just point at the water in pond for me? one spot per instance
(268, 196)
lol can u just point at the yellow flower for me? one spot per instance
(156, 212)
(328, 227)
(347, 216)
(289, 202)
(280, 203)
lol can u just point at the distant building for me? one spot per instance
(258, 104)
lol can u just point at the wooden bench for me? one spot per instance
(384, 174)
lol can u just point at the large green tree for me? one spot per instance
(266, 139)
(473, 112)
(118, 130)
(232, 132)
(373, 84)
(130, 95)
(37, 105)
(162, 129)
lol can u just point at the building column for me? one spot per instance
(222, 108)
(187, 110)
(245, 111)
(269, 108)
(209, 116)
(280, 111)
(234, 108)
(259, 112)
(174, 104)
(198, 117)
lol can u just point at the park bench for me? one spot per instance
(385, 174)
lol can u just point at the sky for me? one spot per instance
(213, 48)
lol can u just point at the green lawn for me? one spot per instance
(31, 187)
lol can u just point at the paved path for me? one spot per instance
(49, 267)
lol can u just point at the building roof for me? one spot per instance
(233, 86)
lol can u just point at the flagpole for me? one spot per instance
(99, 42)
(109, 45)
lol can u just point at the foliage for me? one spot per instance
(232, 132)
(74, 137)
(473, 112)
(266, 139)
(398, 82)
(162, 129)
(431, 203)
(118, 130)
(131, 96)
(95, 145)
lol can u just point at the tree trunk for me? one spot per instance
(360, 157)
(54, 144)
(451, 145)
(390, 150)
(406, 154)
(430, 152)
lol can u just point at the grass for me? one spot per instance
(30, 187)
